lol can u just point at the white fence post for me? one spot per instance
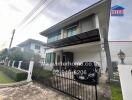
(13, 63)
(29, 77)
(19, 65)
(9, 63)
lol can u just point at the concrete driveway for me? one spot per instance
(31, 91)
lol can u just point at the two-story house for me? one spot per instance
(36, 46)
(83, 37)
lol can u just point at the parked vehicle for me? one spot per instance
(87, 73)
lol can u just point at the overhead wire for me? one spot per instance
(32, 12)
(39, 13)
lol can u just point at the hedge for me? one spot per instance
(13, 73)
(40, 72)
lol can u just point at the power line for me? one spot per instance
(33, 11)
(38, 13)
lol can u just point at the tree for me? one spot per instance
(18, 55)
(3, 54)
(28, 55)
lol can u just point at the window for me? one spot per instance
(54, 36)
(37, 47)
(72, 31)
(50, 58)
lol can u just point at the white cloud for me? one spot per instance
(13, 11)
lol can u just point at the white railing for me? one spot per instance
(29, 71)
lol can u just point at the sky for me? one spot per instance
(12, 13)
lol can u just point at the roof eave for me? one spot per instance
(90, 10)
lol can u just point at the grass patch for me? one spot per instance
(116, 92)
(4, 79)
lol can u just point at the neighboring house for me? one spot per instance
(125, 46)
(37, 46)
(83, 37)
(14, 49)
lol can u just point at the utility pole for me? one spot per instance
(7, 58)
(13, 32)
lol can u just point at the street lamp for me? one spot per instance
(121, 56)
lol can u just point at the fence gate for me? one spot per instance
(66, 81)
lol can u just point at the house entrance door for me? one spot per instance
(67, 57)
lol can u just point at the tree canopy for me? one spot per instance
(18, 55)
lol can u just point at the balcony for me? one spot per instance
(86, 37)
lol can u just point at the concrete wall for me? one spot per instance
(125, 73)
(87, 24)
(87, 56)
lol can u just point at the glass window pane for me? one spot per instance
(54, 37)
(71, 31)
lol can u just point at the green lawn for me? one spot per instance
(4, 78)
(116, 92)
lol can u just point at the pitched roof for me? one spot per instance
(31, 41)
(117, 7)
(80, 15)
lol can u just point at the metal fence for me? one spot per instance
(116, 78)
(64, 80)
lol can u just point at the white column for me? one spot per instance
(13, 63)
(29, 77)
(96, 21)
(103, 61)
(108, 60)
(103, 58)
(19, 66)
(9, 63)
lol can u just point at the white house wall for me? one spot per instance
(85, 56)
(86, 53)
(87, 24)
(83, 52)
(41, 51)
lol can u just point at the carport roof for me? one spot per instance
(90, 36)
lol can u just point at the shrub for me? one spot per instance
(41, 75)
(13, 73)
(40, 72)
(25, 65)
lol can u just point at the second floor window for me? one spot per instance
(54, 36)
(37, 47)
(72, 31)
